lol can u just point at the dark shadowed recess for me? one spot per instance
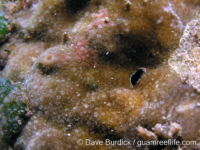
(106, 132)
(134, 49)
(77, 5)
(2, 64)
(135, 77)
(47, 70)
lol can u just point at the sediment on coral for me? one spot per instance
(99, 70)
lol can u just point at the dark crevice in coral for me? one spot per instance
(100, 130)
(47, 70)
(99, 2)
(107, 132)
(134, 49)
(39, 34)
(138, 49)
(77, 5)
(14, 29)
(15, 136)
(136, 76)
(27, 35)
(91, 86)
(2, 64)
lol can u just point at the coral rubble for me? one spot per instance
(186, 59)
(97, 70)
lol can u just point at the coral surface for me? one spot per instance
(96, 73)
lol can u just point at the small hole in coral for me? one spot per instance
(136, 76)
(47, 70)
(2, 64)
(91, 84)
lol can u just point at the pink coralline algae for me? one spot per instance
(83, 53)
(98, 70)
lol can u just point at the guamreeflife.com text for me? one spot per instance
(137, 143)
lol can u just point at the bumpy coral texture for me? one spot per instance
(75, 60)
(186, 59)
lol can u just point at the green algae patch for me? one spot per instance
(15, 119)
(3, 27)
(6, 88)
(13, 111)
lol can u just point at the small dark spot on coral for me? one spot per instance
(2, 64)
(91, 85)
(74, 78)
(151, 55)
(136, 76)
(47, 70)
(127, 5)
(8, 51)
